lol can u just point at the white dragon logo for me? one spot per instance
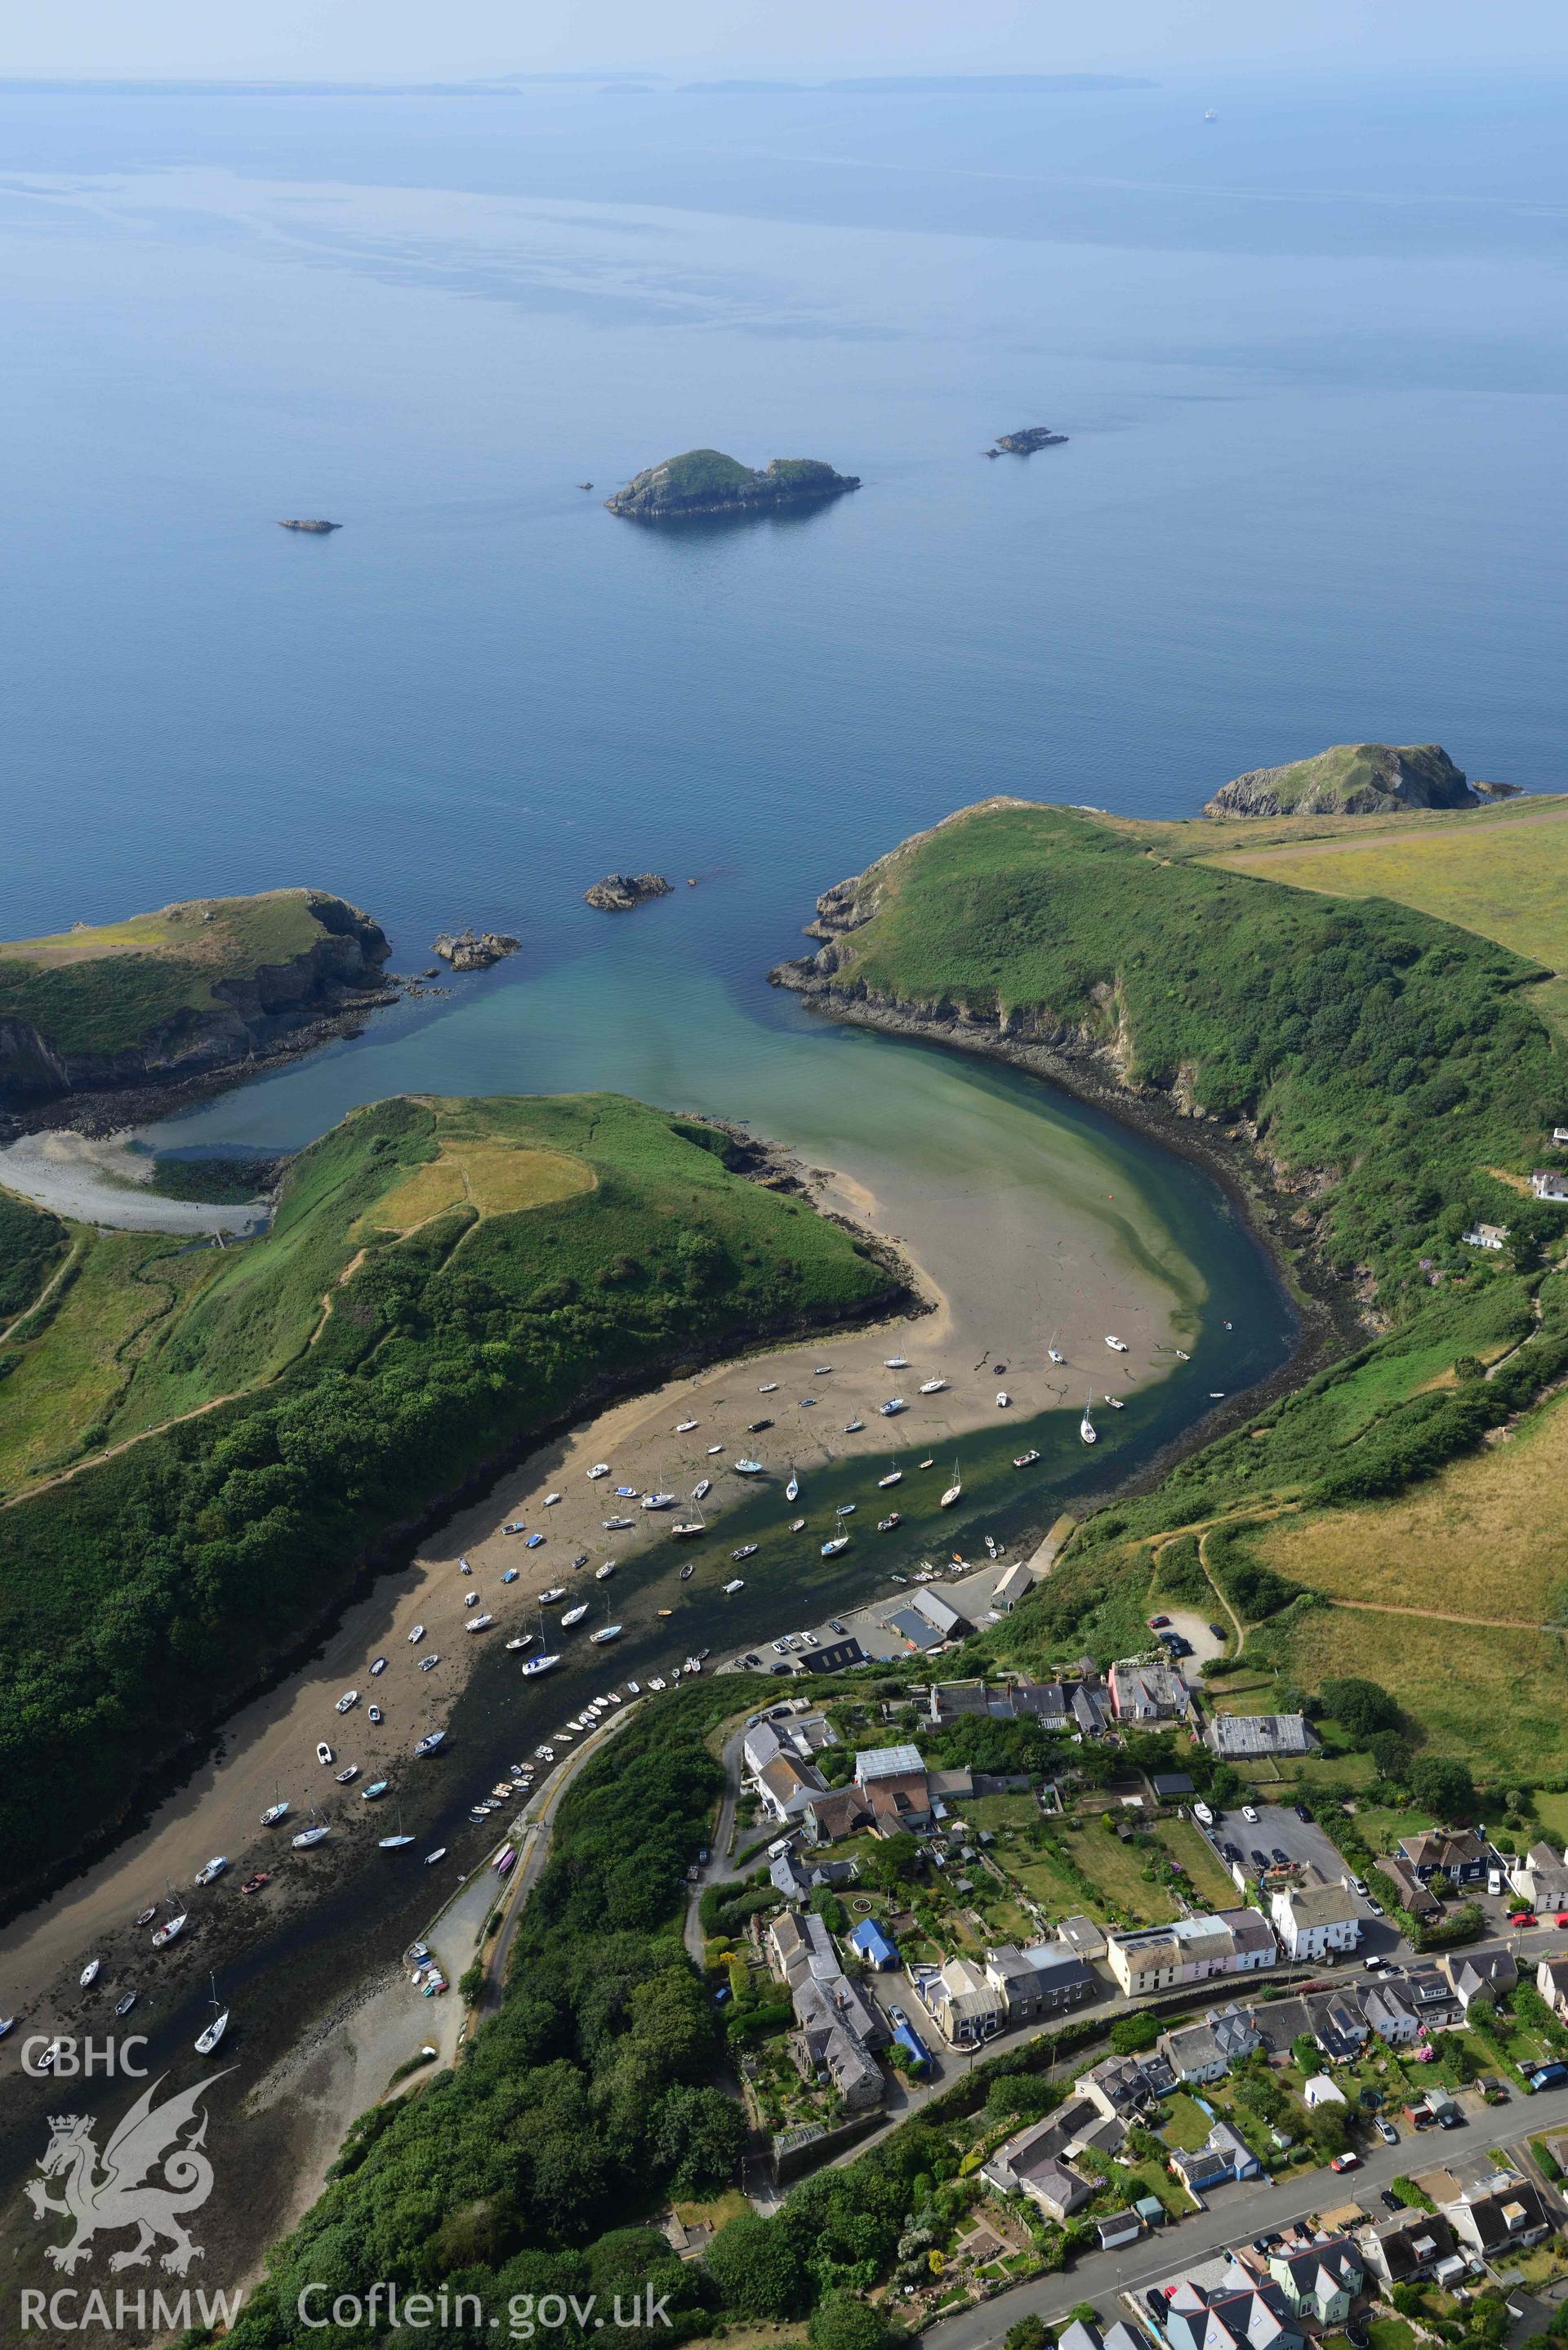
(116, 2196)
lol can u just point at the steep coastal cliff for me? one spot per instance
(195, 987)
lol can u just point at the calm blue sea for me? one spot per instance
(1310, 357)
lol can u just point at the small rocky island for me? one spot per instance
(1033, 437)
(473, 949)
(317, 528)
(1357, 779)
(706, 481)
(618, 893)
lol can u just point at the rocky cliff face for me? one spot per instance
(252, 1011)
(618, 893)
(706, 481)
(1353, 779)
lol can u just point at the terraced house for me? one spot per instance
(1189, 1950)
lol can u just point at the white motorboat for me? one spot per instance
(347, 1701)
(831, 1548)
(89, 1973)
(685, 1427)
(656, 1501)
(892, 1408)
(853, 1426)
(538, 1664)
(599, 1468)
(431, 1857)
(769, 1387)
(1182, 1356)
(275, 1812)
(846, 1509)
(688, 1570)
(885, 1525)
(618, 1525)
(375, 1790)
(1215, 1394)
(1002, 1399)
(122, 2007)
(523, 1641)
(714, 1448)
(1116, 1345)
(416, 1636)
(606, 1633)
(433, 1738)
(312, 1835)
(701, 1489)
(324, 1755)
(551, 1500)
(932, 1387)
(377, 1666)
(1055, 1353)
(1026, 1459)
(746, 1550)
(1115, 1401)
(603, 1574)
(634, 1688)
(573, 1615)
(478, 1623)
(895, 1362)
(747, 1467)
(792, 1490)
(346, 1776)
(797, 1525)
(1087, 1429)
(549, 1598)
(170, 1932)
(209, 1872)
(1202, 1814)
(376, 1716)
(685, 1527)
(736, 1583)
(894, 1477)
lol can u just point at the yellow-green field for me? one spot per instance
(1504, 876)
(273, 925)
(486, 1175)
(1493, 1697)
(1486, 1537)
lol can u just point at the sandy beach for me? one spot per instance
(97, 1181)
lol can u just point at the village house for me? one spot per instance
(835, 2055)
(1389, 2013)
(842, 1812)
(1459, 1853)
(877, 1948)
(1313, 1920)
(787, 1787)
(1252, 1737)
(1231, 2317)
(1480, 1974)
(967, 2006)
(1206, 2051)
(1017, 1584)
(1551, 1183)
(1081, 2335)
(1541, 1880)
(1319, 2280)
(1057, 2140)
(1490, 2212)
(1189, 1950)
(1043, 1979)
(1339, 2027)
(1409, 1891)
(1123, 2087)
(1280, 2023)
(1431, 1994)
(1082, 1935)
(1486, 1237)
(1144, 1692)
(1552, 1982)
(1406, 2246)
(896, 1790)
(821, 2000)
(792, 1943)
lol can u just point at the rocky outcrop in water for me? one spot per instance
(314, 525)
(707, 481)
(473, 949)
(618, 893)
(1033, 437)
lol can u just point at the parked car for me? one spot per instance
(897, 2017)
(1250, 1814)
(1259, 1859)
(1302, 1813)
(1375, 1966)
(1524, 1918)
(1345, 2162)
(1387, 2133)
(1156, 1623)
(1282, 1859)
(1219, 1631)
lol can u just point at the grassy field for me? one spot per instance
(490, 1178)
(1485, 1537)
(364, 1378)
(1508, 881)
(104, 989)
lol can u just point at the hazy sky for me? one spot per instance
(307, 39)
